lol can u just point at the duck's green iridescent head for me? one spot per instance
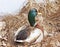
(31, 16)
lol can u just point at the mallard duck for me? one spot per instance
(24, 35)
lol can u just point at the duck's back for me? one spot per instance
(23, 34)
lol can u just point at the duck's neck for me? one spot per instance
(40, 27)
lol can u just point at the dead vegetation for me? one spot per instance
(51, 24)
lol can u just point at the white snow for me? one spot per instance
(2, 25)
(11, 6)
(52, 0)
(39, 1)
(14, 6)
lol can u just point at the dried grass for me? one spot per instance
(51, 14)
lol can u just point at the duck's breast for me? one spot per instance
(40, 38)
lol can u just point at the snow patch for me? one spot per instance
(11, 6)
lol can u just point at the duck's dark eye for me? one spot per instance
(35, 10)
